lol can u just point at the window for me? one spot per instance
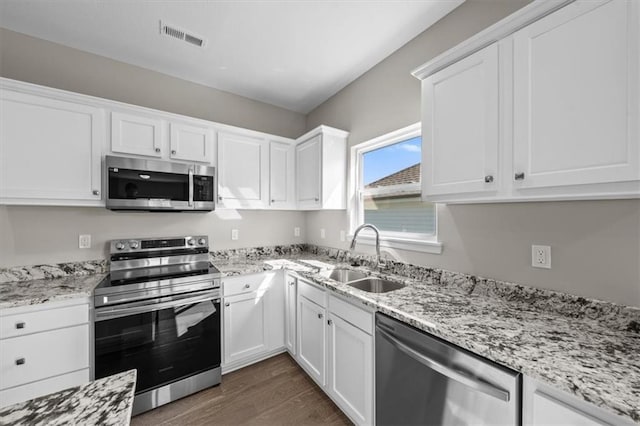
(387, 191)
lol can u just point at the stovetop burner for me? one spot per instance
(151, 268)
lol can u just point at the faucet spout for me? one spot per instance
(355, 236)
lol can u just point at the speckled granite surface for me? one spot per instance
(23, 293)
(586, 347)
(106, 401)
(58, 270)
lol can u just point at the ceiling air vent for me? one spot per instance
(175, 32)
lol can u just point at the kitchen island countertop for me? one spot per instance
(107, 401)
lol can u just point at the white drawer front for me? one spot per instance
(246, 283)
(43, 387)
(39, 356)
(313, 293)
(352, 314)
(13, 325)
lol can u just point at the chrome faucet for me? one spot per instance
(355, 235)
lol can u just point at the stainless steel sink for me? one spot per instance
(346, 275)
(376, 285)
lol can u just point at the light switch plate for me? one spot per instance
(296, 231)
(323, 233)
(235, 234)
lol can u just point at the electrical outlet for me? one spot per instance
(343, 236)
(541, 257)
(296, 231)
(235, 234)
(323, 233)
(84, 241)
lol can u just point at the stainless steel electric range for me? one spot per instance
(158, 311)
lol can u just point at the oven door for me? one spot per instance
(166, 340)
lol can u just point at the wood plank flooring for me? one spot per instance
(272, 392)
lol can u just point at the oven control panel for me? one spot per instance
(155, 244)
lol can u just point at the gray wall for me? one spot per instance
(38, 61)
(30, 235)
(595, 244)
(34, 235)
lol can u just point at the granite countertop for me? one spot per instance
(33, 292)
(106, 401)
(589, 349)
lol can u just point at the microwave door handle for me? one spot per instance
(190, 186)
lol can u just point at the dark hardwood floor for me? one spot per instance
(272, 392)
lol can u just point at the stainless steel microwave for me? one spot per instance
(151, 185)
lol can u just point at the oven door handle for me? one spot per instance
(117, 312)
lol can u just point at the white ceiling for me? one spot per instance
(293, 54)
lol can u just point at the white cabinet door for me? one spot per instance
(274, 287)
(136, 134)
(243, 170)
(576, 96)
(461, 126)
(290, 314)
(281, 176)
(351, 369)
(49, 150)
(191, 143)
(308, 173)
(544, 405)
(245, 326)
(312, 337)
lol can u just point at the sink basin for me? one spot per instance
(345, 275)
(376, 285)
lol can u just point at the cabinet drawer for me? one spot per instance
(43, 387)
(43, 355)
(352, 314)
(14, 325)
(246, 283)
(313, 293)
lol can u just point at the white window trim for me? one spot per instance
(404, 241)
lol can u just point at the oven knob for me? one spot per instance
(119, 245)
(133, 244)
(191, 242)
(202, 241)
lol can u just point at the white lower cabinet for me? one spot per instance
(253, 318)
(290, 338)
(335, 347)
(543, 405)
(44, 349)
(312, 339)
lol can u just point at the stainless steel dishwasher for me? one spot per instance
(422, 380)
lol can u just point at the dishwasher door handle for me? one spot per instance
(470, 382)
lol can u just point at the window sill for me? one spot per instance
(396, 243)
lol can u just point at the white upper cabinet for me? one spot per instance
(462, 158)
(243, 170)
(50, 148)
(137, 134)
(190, 142)
(576, 96)
(308, 160)
(321, 169)
(281, 174)
(543, 105)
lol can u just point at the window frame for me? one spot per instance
(428, 243)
